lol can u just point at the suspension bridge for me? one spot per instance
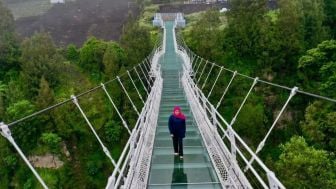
(215, 156)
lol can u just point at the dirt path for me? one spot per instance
(46, 161)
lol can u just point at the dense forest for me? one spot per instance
(293, 45)
(35, 73)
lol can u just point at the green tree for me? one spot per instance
(113, 59)
(318, 68)
(290, 29)
(301, 166)
(44, 99)
(300, 23)
(39, 58)
(20, 109)
(136, 41)
(72, 53)
(314, 17)
(52, 140)
(8, 163)
(15, 91)
(45, 95)
(205, 35)
(330, 16)
(3, 88)
(268, 46)
(245, 21)
(113, 132)
(8, 41)
(319, 125)
(251, 125)
(25, 133)
(91, 56)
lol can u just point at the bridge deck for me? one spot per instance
(167, 170)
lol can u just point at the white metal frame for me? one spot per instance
(134, 161)
(224, 158)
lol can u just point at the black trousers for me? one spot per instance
(178, 145)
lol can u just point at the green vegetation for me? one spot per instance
(313, 167)
(293, 45)
(147, 16)
(35, 73)
(134, 35)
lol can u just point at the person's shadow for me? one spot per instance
(179, 178)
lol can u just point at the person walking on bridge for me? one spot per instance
(177, 129)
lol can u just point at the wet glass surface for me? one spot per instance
(167, 170)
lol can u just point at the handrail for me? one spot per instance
(133, 149)
(206, 107)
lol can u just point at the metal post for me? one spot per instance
(191, 64)
(206, 79)
(149, 84)
(5, 132)
(148, 72)
(129, 75)
(106, 151)
(194, 86)
(199, 65)
(226, 89)
(148, 66)
(232, 142)
(204, 103)
(116, 109)
(146, 76)
(148, 63)
(191, 56)
(145, 67)
(213, 86)
(111, 183)
(262, 143)
(143, 85)
(214, 117)
(206, 63)
(272, 182)
(195, 62)
(129, 98)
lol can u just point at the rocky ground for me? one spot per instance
(72, 22)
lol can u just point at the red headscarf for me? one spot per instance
(180, 115)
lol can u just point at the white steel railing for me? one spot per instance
(135, 159)
(178, 18)
(228, 152)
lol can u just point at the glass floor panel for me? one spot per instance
(190, 157)
(167, 170)
(186, 142)
(178, 173)
(187, 186)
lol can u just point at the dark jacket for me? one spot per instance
(177, 126)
